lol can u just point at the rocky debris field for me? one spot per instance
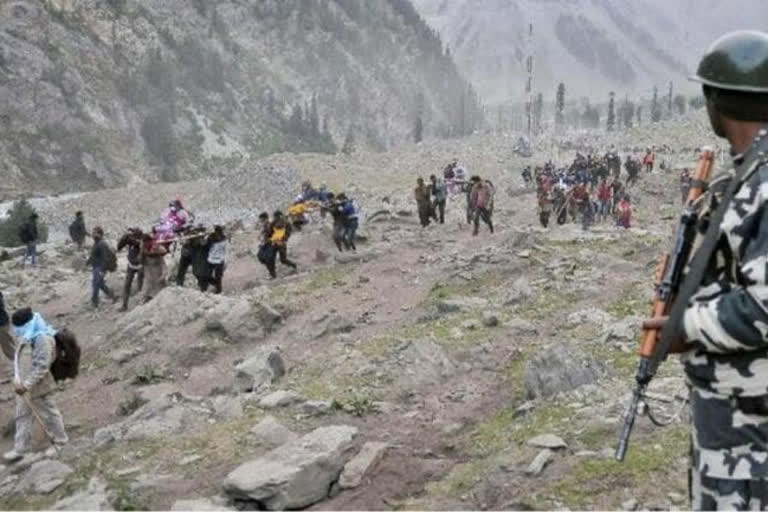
(430, 370)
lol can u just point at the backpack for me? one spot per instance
(66, 365)
(349, 208)
(110, 259)
(265, 253)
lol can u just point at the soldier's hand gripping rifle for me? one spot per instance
(669, 275)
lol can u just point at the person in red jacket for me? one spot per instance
(649, 159)
(604, 193)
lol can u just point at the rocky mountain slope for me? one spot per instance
(431, 370)
(105, 93)
(594, 46)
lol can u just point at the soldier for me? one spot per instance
(724, 329)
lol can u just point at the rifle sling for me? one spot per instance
(753, 158)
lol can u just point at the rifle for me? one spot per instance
(669, 275)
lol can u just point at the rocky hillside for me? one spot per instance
(104, 93)
(432, 370)
(594, 46)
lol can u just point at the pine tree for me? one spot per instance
(560, 106)
(538, 110)
(296, 121)
(349, 141)
(655, 107)
(669, 99)
(639, 113)
(680, 104)
(627, 113)
(611, 119)
(418, 130)
(500, 121)
(314, 116)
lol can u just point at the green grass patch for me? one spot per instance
(650, 463)
(325, 277)
(506, 427)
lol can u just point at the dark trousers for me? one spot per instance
(338, 235)
(98, 284)
(350, 231)
(438, 207)
(138, 273)
(424, 213)
(485, 215)
(282, 252)
(184, 263)
(216, 278)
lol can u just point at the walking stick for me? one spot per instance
(26, 399)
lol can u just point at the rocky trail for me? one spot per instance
(431, 370)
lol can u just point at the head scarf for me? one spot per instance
(29, 332)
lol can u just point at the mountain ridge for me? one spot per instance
(593, 46)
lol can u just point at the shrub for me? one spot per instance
(9, 226)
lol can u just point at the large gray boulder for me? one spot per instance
(295, 475)
(165, 415)
(558, 369)
(94, 497)
(43, 477)
(356, 469)
(261, 368)
(202, 504)
(270, 433)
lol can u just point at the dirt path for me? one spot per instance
(445, 386)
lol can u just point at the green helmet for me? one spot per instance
(738, 61)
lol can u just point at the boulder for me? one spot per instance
(591, 315)
(559, 368)
(370, 454)
(422, 361)
(227, 407)
(269, 432)
(624, 330)
(315, 408)
(164, 415)
(94, 497)
(201, 504)
(519, 290)
(550, 441)
(280, 398)
(490, 319)
(236, 319)
(295, 475)
(43, 477)
(261, 368)
(539, 463)
(328, 323)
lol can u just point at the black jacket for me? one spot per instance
(28, 232)
(77, 231)
(134, 248)
(99, 254)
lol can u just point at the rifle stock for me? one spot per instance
(669, 274)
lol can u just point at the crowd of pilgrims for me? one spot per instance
(205, 250)
(590, 189)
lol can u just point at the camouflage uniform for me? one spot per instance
(727, 323)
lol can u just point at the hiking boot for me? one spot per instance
(12, 456)
(54, 450)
